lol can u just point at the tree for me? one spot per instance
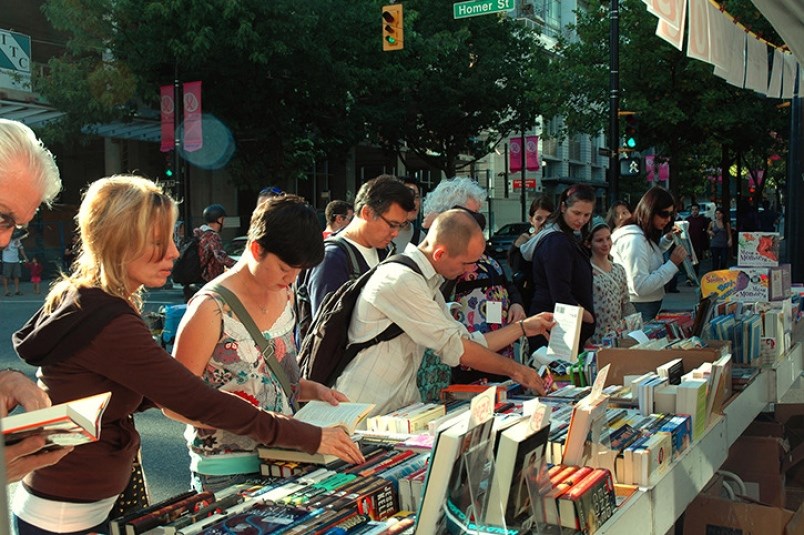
(458, 87)
(685, 112)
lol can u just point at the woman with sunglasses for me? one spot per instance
(638, 247)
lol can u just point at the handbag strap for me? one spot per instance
(265, 347)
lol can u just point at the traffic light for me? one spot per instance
(631, 132)
(169, 166)
(393, 37)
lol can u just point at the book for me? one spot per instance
(759, 249)
(345, 415)
(261, 518)
(168, 513)
(444, 471)
(589, 503)
(672, 370)
(584, 414)
(691, 399)
(117, 525)
(519, 448)
(565, 335)
(66, 424)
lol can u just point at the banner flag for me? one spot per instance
(532, 153)
(167, 113)
(515, 154)
(193, 135)
(650, 169)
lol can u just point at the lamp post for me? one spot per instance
(614, 99)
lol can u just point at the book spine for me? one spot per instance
(168, 513)
(392, 461)
(117, 525)
(596, 505)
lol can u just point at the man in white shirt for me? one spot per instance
(28, 177)
(12, 255)
(385, 373)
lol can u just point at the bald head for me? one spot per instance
(454, 230)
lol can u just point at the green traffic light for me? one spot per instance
(630, 143)
(169, 173)
(390, 40)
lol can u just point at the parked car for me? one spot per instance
(235, 247)
(501, 241)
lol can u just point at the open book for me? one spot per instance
(322, 414)
(67, 424)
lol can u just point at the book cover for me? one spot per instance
(261, 518)
(672, 371)
(520, 448)
(66, 424)
(680, 429)
(652, 458)
(589, 503)
(565, 335)
(270, 453)
(445, 477)
(758, 249)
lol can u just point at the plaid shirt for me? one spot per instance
(210, 250)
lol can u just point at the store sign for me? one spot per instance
(15, 61)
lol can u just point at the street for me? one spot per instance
(163, 449)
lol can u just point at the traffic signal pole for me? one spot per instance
(182, 184)
(614, 100)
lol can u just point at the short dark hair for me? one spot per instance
(213, 212)
(302, 248)
(336, 208)
(695, 205)
(654, 200)
(381, 192)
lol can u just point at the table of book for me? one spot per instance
(655, 509)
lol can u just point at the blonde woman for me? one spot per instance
(89, 338)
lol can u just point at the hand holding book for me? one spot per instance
(335, 441)
(539, 324)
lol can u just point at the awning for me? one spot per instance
(29, 113)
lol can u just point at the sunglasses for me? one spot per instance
(664, 213)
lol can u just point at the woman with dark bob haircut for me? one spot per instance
(284, 237)
(638, 247)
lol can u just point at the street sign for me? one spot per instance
(630, 167)
(473, 8)
(15, 61)
(530, 183)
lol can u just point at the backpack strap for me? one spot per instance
(265, 347)
(351, 254)
(390, 332)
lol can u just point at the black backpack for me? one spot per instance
(303, 306)
(325, 351)
(187, 268)
(521, 275)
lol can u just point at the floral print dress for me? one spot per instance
(612, 304)
(237, 366)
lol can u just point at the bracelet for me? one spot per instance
(522, 326)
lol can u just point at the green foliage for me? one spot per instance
(300, 81)
(685, 112)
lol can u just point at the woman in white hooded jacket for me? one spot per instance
(638, 247)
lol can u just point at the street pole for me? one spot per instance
(182, 184)
(614, 100)
(793, 220)
(522, 153)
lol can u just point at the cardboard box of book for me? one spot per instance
(713, 514)
(639, 361)
(758, 461)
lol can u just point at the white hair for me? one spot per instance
(453, 192)
(19, 144)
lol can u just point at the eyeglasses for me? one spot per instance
(273, 191)
(664, 213)
(393, 224)
(7, 222)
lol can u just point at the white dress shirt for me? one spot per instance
(385, 374)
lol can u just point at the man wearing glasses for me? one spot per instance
(28, 177)
(412, 233)
(380, 212)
